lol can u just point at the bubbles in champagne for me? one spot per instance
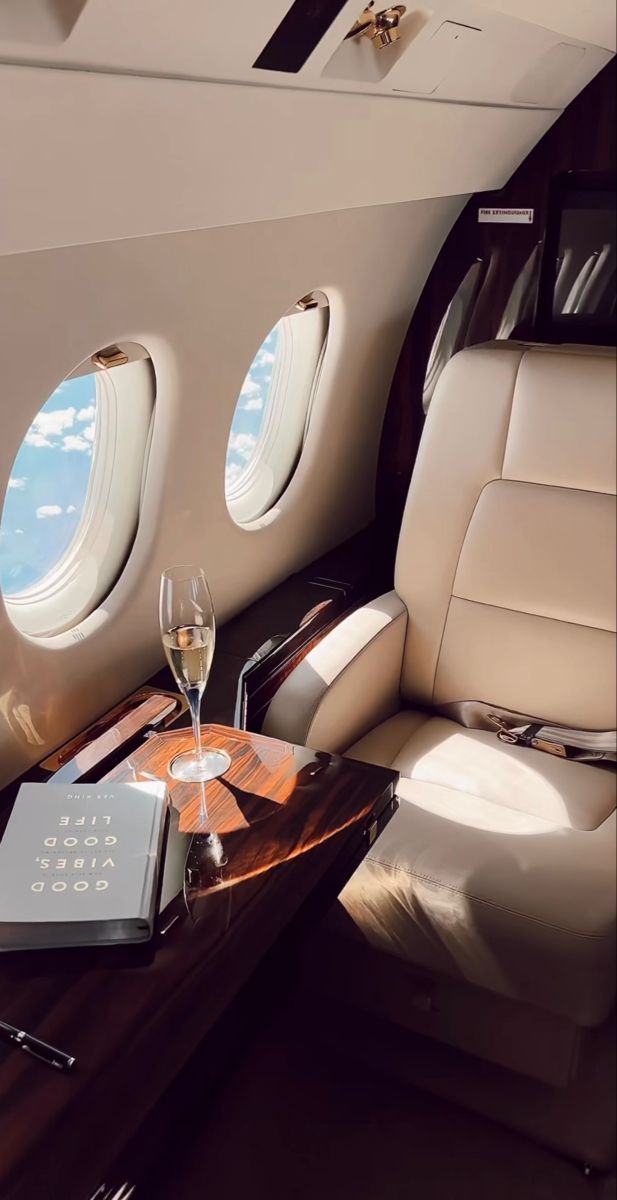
(189, 650)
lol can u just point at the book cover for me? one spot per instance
(79, 864)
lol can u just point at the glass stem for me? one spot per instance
(194, 698)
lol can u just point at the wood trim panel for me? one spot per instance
(289, 821)
(294, 616)
(117, 727)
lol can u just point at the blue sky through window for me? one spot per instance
(250, 410)
(49, 479)
(48, 486)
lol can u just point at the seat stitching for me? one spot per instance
(522, 612)
(365, 645)
(596, 937)
(529, 612)
(458, 559)
(559, 487)
(496, 479)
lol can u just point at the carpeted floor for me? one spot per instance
(294, 1123)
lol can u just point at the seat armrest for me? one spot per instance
(347, 684)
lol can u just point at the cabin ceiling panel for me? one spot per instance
(90, 157)
(594, 22)
(201, 303)
(208, 40)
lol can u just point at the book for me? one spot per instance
(79, 864)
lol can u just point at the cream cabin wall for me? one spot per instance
(201, 303)
(188, 216)
(91, 157)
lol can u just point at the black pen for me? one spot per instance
(37, 1048)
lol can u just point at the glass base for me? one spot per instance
(191, 769)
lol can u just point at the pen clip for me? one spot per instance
(37, 1051)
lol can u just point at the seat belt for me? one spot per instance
(516, 729)
(579, 744)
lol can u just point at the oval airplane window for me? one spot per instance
(72, 500)
(273, 409)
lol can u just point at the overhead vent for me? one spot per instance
(544, 83)
(40, 21)
(300, 31)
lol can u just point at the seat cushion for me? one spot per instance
(498, 867)
(506, 559)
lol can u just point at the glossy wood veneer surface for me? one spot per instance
(279, 821)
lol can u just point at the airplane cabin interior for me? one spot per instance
(307, 600)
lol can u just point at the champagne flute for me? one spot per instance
(188, 630)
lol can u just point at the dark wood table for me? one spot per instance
(284, 830)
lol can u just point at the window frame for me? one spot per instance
(296, 374)
(86, 572)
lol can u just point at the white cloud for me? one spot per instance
(242, 444)
(74, 441)
(52, 424)
(48, 425)
(36, 439)
(252, 393)
(232, 473)
(89, 432)
(86, 414)
(265, 358)
(48, 510)
(250, 387)
(51, 510)
(18, 530)
(17, 483)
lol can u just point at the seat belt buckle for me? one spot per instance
(521, 735)
(503, 733)
(511, 739)
(549, 747)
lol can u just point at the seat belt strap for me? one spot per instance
(515, 728)
(584, 745)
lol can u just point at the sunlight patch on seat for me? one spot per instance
(495, 782)
(466, 808)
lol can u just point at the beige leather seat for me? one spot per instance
(499, 867)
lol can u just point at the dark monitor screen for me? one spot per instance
(579, 269)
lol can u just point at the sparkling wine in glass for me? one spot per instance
(188, 630)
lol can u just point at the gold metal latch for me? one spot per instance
(110, 356)
(383, 28)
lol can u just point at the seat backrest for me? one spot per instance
(506, 557)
